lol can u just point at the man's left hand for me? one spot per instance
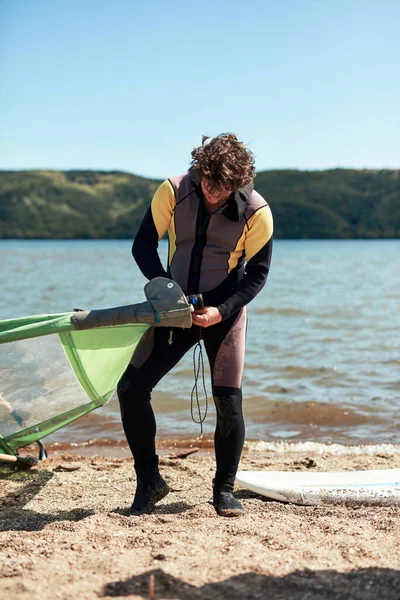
(207, 316)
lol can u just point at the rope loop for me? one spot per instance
(198, 357)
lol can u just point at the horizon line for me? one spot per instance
(116, 170)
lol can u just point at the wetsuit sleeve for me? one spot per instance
(258, 249)
(153, 227)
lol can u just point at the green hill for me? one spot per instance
(72, 204)
(339, 203)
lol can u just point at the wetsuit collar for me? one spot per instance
(237, 203)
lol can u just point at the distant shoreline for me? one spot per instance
(87, 204)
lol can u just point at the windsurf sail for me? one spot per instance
(57, 368)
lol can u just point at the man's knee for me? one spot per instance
(132, 389)
(228, 403)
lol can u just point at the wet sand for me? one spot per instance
(66, 532)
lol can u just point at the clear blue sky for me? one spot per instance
(132, 85)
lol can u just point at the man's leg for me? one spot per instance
(225, 345)
(154, 357)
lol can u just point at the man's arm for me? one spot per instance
(153, 227)
(258, 248)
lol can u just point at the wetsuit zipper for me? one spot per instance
(196, 258)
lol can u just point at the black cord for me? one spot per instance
(195, 392)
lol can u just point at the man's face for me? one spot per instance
(214, 195)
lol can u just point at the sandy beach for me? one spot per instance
(66, 532)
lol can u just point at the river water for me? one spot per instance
(323, 341)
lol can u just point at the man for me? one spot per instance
(220, 244)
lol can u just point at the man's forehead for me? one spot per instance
(212, 183)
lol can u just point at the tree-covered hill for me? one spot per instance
(339, 203)
(72, 204)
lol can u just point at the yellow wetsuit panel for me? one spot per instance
(162, 208)
(259, 231)
(255, 234)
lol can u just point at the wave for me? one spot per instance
(291, 372)
(267, 310)
(167, 445)
(336, 449)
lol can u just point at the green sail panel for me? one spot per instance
(57, 368)
(98, 358)
(22, 328)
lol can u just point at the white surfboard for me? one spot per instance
(346, 487)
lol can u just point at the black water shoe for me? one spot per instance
(150, 489)
(225, 502)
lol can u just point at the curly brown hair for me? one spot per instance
(223, 161)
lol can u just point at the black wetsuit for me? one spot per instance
(226, 257)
